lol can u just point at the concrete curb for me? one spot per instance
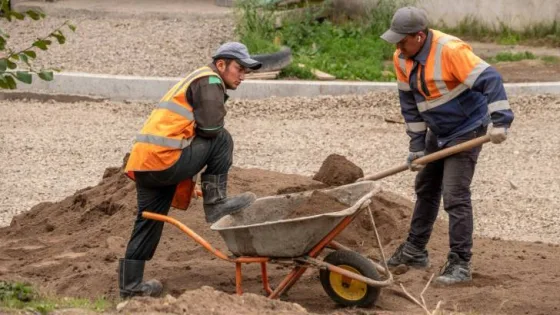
(119, 87)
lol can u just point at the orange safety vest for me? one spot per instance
(169, 129)
(441, 83)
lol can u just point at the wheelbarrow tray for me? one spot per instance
(263, 230)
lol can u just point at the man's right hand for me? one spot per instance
(413, 156)
(498, 134)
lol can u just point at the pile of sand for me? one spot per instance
(207, 300)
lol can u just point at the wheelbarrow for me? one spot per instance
(264, 234)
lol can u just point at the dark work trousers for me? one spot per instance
(155, 189)
(450, 177)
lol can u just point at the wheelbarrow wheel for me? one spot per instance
(345, 291)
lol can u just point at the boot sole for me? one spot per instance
(236, 210)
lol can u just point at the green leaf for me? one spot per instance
(17, 15)
(30, 54)
(11, 82)
(34, 15)
(41, 44)
(2, 43)
(72, 27)
(46, 75)
(3, 64)
(3, 82)
(24, 76)
(24, 58)
(59, 37)
(11, 65)
(6, 6)
(15, 57)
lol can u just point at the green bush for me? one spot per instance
(350, 51)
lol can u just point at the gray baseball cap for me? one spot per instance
(406, 21)
(239, 52)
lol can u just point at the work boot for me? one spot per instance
(410, 255)
(131, 273)
(455, 270)
(216, 202)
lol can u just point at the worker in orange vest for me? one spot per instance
(447, 95)
(183, 134)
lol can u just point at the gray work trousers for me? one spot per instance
(155, 189)
(450, 177)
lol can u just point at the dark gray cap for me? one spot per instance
(239, 52)
(406, 20)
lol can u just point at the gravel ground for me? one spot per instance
(167, 41)
(54, 149)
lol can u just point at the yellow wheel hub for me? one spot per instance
(347, 288)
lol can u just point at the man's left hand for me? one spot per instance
(498, 134)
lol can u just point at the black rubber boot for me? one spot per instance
(455, 270)
(131, 273)
(408, 254)
(216, 202)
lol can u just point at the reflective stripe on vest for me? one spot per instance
(427, 105)
(402, 65)
(177, 109)
(438, 73)
(164, 141)
(185, 81)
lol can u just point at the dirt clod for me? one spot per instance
(337, 170)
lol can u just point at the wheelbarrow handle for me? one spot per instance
(431, 157)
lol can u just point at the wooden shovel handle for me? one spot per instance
(431, 157)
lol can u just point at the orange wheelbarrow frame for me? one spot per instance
(300, 263)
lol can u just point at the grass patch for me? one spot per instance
(550, 59)
(472, 28)
(349, 51)
(509, 56)
(527, 55)
(15, 296)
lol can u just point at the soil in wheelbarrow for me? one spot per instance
(318, 203)
(71, 248)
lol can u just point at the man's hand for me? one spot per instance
(498, 134)
(413, 156)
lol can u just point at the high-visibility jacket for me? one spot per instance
(448, 89)
(168, 130)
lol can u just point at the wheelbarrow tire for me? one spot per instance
(356, 293)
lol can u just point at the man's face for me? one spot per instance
(232, 74)
(411, 44)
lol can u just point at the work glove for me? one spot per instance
(498, 134)
(413, 156)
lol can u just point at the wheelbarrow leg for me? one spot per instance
(238, 279)
(288, 282)
(264, 276)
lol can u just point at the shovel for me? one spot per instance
(430, 157)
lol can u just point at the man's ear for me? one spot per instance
(221, 65)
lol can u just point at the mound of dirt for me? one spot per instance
(207, 300)
(336, 170)
(318, 203)
(71, 248)
(391, 214)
